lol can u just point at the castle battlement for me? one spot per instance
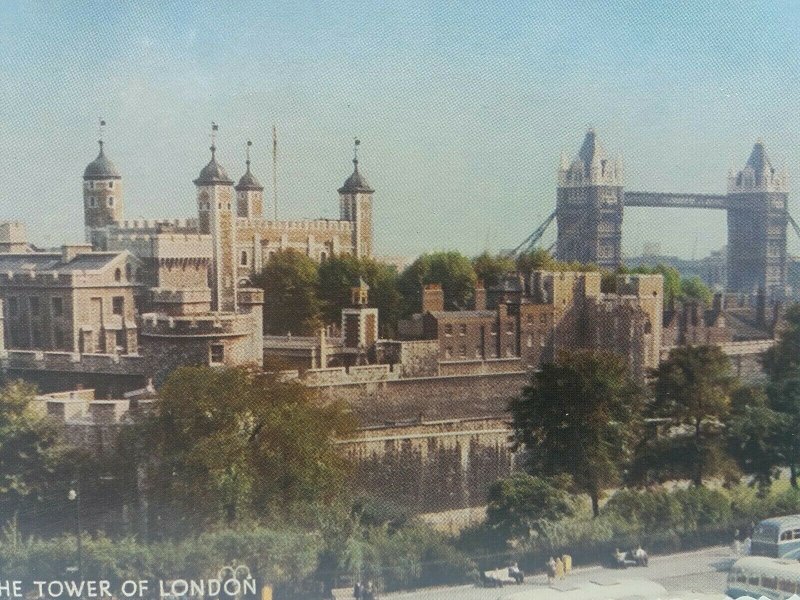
(155, 225)
(214, 325)
(312, 225)
(37, 360)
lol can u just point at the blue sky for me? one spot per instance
(463, 108)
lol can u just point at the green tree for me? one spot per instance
(693, 288)
(30, 451)
(692, 389)
(339, 274)
(490, 268)
(672, 279)
(782, 366)
(226, 444)
(753, 434)
(580, 416)
(782, 361)
(537, 259)
(521, 505)
(452, 270)
(290, 283)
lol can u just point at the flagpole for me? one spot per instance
(274, 173)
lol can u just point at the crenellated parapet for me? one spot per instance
(35, 360)
(216, 325)
(133, 226)
(266, 226)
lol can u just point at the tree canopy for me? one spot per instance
(522, 505)
(290, 281)
(231, 443)
(490, 268)
(692, 389)
(452, 270)
(339, 274)
(579, 416)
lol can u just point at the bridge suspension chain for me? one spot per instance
(529, 242)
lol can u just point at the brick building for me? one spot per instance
(531, 320)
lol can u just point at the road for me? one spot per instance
(699, 571)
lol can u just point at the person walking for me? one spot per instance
(559, 568)
(358, 590)
(551, 570)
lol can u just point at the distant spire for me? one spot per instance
(356, 144)
(101, 129)
(214, 129)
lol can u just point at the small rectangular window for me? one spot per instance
(121, 341)
(111, 200)
(110, 185)
(448, 329)
(58, 338)
(244, 260)
(34, 305)
(217, 353)
(93, 202)
(118, 305)
(58, 307)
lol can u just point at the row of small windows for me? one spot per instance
(101, 185)
(462, 352)
(57, 306)
(128, 273)
(244, 260)
(205, 205)
(94, 203)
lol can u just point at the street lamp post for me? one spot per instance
(74, 495)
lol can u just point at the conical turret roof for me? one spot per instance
(760, 163)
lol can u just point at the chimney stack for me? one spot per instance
(480, 296)
(432, 298)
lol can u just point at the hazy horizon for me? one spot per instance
(463, 110)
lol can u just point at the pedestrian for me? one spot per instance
(747, 546)
(559, 568)
(551, 570)
(516, 573)
(358, 590)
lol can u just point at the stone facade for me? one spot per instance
(589, 207)
(74, 301)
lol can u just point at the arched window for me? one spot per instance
(117, 275)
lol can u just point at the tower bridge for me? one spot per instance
(591, 198)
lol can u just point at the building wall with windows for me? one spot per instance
(75, 301)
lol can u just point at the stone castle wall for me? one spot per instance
(430, 467)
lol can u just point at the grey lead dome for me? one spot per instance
(356, 182)
(213, 172)
(101, 168)
(249, 181)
